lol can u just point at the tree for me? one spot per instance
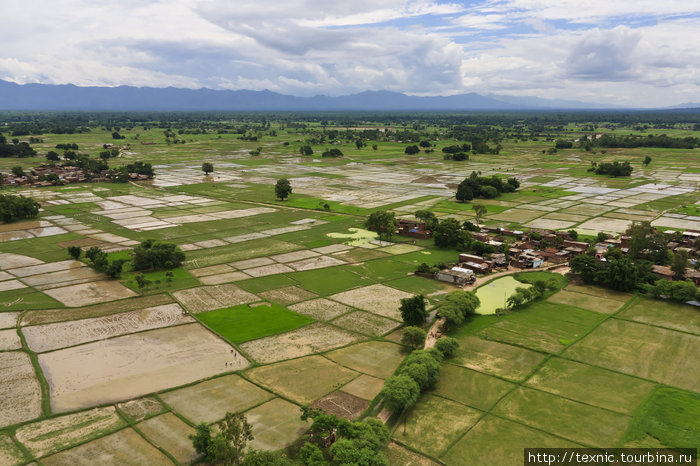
(311, 455)
(647, 161)
(17, 171)
(17, 207)
(75, 252)
(413, 310)
(228, 445)
(265, 458)
(400, 392)
(306, 150)
(207, 167)
(679, 262)
(283, 189)
(201, 439)
(359, 144)
(447, 346)
(383, 222)
(447, 233)
(429, 361)
(411, 150)
(413, 337)
(479, 211)
(456, 305)
(152, 255)
(141, 281)
(464, 192)
(52, 156)
(428, 218)
(573, 234)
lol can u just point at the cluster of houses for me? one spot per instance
(50, 175)
(539, 248)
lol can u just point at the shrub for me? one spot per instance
(447, 346)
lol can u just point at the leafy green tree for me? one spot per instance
(413, 310)
(311, 455)
(573, 234)
(207, 167)
(114, 270)
(465, 192)
(447, 233)
(479, 212)
(400, 392)
(413, 337)
(447, 346)
(265, 458)
(383, 222)
(427, 217)
(679, 262)
(412, 150)
(306, 150)
(647, 161)
(52, 156)
(75, 252)
(153, 255)
(427, 359)
(457, 305)
(201, 439)
(283, 189)
(18, 171)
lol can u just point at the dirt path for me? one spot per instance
(436, 330)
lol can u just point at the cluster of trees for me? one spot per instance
(524, 295)
(99, 260)
(14, 207)
(450, 233)
(681, 291)
(68, 146)
(383, 222)
(306, 150)
(476, 186)
(356, 442)
(155, 255)
(334, 152)
(613, 169)
(651, 140)
(122, 174)
(619, 272)
(456, 306)
(15, 149)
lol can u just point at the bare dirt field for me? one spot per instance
(208, 298)
(11, 261)
(8, 319)
(141, 408)
(605, 224)
(49, 436)
(133, 365)
(378, 299)
(314, 338)
(61, 315)
(320, 309)
(223, 278)
(302, 380)
(48, 337)
(9, 340)
(342, 404)
(366, 322)
(210, 400)
(169, 432)
(90, 293)
(125, 447)
(276, 424)
(20, 392)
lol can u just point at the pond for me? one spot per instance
(494, 294)
(357, 237)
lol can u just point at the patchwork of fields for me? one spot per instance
(283, 304)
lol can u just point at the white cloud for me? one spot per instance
(627, 52)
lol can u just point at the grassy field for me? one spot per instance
(242, 323)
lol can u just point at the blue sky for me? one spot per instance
(637, 53)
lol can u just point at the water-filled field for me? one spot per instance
(494, 294)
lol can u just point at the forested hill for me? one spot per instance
(70, 97)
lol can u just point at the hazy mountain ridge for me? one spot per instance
(70, 97)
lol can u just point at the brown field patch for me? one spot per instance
(208, 298)
(223, 278)
(212, 270)
(360, 255)
(123, 447)
(314, 338)
(141, 408)
(60, 278)
(46, 268)
(365, 387)
(288, 295)
(586, 209)
(12, 261)
(313, 263)
(169, 432)
(60, 315)
(252, 263)
(133, 365)
(265, 270)
(294, 256)
(602, 292)
(378, 299)
(20, 392)
(9, 340)
(611, 225)
(276, 424)
(405, 457)
(342, 404)
(303, 380)
(209, 401)
(516, 215)
(586, 301)
(567, 217)
(9, 319)
(366, 322)
(90, 293)
(48, 337)
(510, 362)
(320, 309)
(49, 436)
(549, 224)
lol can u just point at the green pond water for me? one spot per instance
(494, 294)
(357, 237)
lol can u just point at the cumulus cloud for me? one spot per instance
(622, 50)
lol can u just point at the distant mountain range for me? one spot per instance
(70, 97)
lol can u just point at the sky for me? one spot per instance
(638, 53)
